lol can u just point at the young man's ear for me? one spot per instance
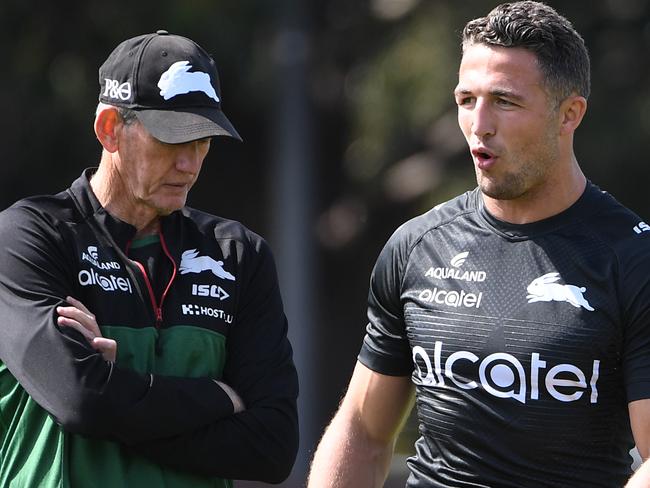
(107, 123)
(572, 110)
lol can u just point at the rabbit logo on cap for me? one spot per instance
(546, 289)
(178, 80)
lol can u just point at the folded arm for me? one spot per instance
(58, 368)
(261, 442)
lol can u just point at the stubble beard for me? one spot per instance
(534, 166)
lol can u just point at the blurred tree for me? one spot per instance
(383, 131)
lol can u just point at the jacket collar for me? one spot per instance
(121, 232)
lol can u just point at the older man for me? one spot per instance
(182, 375)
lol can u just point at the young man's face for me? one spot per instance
(158, 176)
(508, 119)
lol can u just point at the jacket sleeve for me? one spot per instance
(82, 392)
(261, 442)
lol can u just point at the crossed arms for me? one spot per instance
(186, 423)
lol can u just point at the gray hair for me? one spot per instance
(127, 115)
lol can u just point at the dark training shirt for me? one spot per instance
(525, 342)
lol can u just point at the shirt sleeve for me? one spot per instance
(634, 290)
(57, 367)
(385, 346)
(261, 442)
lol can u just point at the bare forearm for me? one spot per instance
(357, 447)
(641, 478)
(346, 458)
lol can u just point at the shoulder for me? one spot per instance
(411, 232)
(624, 234)
(38, 230)
(617, 226)
(220, 227)
(227, 233)
(45, 210)
(396, 253)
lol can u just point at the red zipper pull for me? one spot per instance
(158, 347)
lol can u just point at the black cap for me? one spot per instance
(171, 83)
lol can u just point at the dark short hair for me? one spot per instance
(561, 53)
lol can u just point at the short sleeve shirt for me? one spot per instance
(525, 342)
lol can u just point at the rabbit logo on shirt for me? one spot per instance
(546, 289)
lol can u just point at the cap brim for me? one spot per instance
(176, 127)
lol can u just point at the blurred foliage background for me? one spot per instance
(349, 128)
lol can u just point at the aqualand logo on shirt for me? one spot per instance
(91, 255)
(106, 281)
(455, 273)
(504, 376)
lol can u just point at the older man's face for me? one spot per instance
(158, 176)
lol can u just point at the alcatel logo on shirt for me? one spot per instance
(451, 298)
(110, 283)
(502, 375)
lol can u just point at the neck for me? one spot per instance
(112, 192)
(554, 195)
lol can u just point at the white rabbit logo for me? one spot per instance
(545, 289)
(178, 80)
(191, 262)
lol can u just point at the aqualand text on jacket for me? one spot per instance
(155, 417)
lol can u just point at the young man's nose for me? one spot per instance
(482, 119)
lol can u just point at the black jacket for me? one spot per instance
(220, 316)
